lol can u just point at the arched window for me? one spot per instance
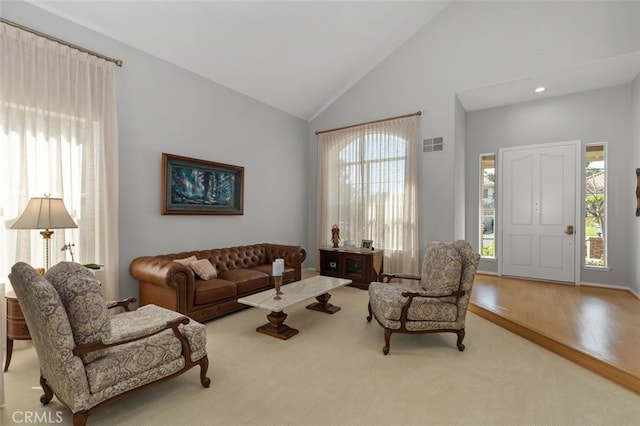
(373, 186)
(368, 187)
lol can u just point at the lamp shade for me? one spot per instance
(44, 213)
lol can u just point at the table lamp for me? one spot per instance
(45, 213)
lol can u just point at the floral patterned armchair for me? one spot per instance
(438, 304)
(89, 358)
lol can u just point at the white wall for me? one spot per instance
(163, 108)
(459, 187)
(470, 45)
(635, 154)
(596, 116)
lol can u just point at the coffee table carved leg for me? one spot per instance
(323, 305)
(276, 326)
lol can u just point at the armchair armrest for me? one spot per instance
(124, 303)
(388, 277)
(457, 294)
(169, 325)
(411, 295)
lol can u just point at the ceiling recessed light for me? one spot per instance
(540, 89)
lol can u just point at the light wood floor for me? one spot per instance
(594, 327)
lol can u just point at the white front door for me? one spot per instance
(538, 210)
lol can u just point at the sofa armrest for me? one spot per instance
(172, 278)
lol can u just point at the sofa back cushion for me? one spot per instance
(82, 298)
(245, 257)
(225, 259)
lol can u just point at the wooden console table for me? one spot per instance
(16, 325)
(361, 266)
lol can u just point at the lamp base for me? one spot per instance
(46, 236)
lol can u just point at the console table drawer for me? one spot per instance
(17, 330)
(16, 325)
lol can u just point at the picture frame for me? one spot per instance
(366, 244)
(198, 187)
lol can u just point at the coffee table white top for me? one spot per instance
(294, 292)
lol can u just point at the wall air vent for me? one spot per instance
(432, 145)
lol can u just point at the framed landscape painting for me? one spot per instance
(192, 186)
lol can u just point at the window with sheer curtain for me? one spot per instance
(58, 135)
(367, 185)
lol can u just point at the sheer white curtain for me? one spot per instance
(3, 339)
(58, 135)
(367, 185)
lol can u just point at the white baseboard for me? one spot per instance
(495, 274)
(612, 287)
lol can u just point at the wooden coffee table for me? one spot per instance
(317, 286)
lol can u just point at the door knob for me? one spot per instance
(569, 230)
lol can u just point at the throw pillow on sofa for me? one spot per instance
(187, 261)
(204, 269)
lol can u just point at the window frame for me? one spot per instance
(481, 209)
(584, 265)
(365, 163)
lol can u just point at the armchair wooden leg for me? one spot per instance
(370, 312)
(80, 418)
(204, 366)
(459, 342)
(48, 392)
(387, 337)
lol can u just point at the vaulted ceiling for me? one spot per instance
(297, 56)
(300, 56)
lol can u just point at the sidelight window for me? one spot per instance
(595, 206)
(487, 241)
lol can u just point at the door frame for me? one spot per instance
(578, 224)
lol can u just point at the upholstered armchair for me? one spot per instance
(89, 358)
(437, 304)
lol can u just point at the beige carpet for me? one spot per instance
(334, 373)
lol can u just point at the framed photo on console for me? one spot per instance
(192, 186)
(366, 244)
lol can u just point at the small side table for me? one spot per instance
(16, 325)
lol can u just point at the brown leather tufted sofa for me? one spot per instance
(241, 270)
